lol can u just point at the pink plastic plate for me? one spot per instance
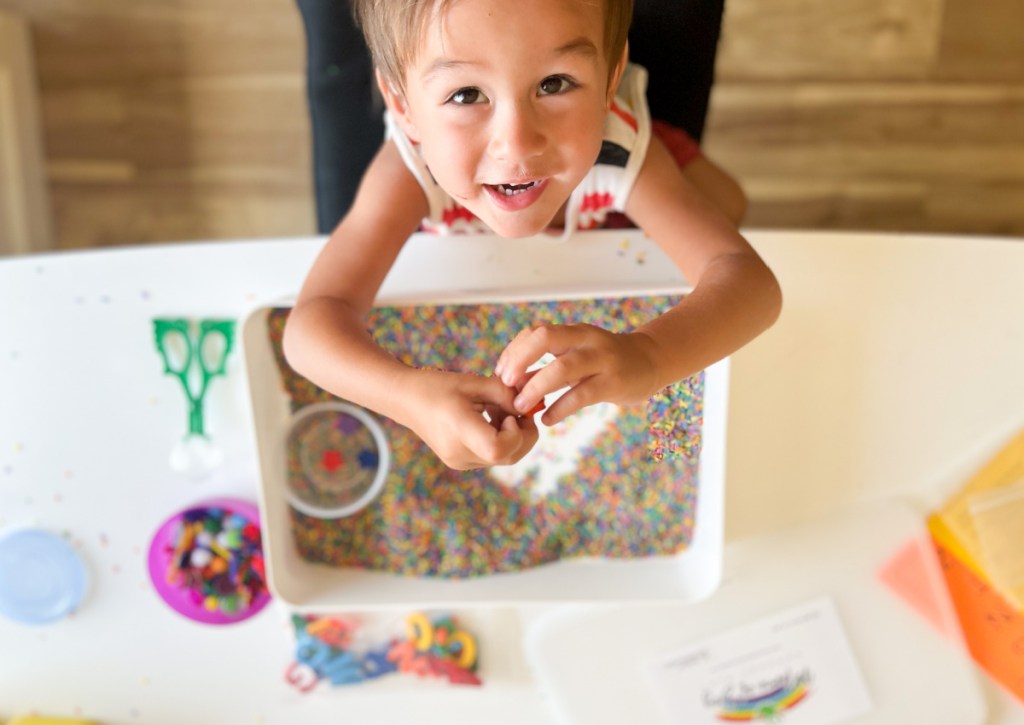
(184, 598)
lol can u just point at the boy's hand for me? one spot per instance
(596, 365)
(447, 411)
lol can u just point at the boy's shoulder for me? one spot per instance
(633, 85)
(628, 119)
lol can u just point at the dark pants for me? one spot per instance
(675, 40)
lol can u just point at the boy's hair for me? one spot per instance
(393, 30)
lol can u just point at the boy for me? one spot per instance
(504, 116)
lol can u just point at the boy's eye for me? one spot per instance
(554, 84)
(466, 96)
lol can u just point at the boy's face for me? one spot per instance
(508, 100)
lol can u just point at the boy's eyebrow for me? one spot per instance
(580, 46)
(577, 46)
(443, 64)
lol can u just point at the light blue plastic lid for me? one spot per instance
(41, 577)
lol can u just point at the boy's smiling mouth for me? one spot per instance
(513, 197)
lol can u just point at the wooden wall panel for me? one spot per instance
(904, 116)
(99, 214)
(174, 120)
(839, 39)
(186, 119)
(25, 211)
(889, 156)
(982, 41)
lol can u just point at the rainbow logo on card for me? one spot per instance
(769, 704)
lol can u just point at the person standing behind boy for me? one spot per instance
(505, 117)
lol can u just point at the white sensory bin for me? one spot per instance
(690, 575)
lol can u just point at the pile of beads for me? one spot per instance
(628, 492)
(216, 557)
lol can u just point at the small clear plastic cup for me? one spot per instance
(338, 459)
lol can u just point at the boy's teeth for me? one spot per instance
(510, 189)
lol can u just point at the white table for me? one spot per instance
(897, 366)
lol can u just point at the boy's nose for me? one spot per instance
(517, 134)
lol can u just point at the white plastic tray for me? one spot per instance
(305, 586)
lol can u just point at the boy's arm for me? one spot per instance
(735, 297)
(326, 340)
(327, 325)
(718, 186)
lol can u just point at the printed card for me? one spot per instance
(795, 667)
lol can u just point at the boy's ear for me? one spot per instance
(616, 76)
(395, 102)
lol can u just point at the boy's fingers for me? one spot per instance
(535, 409)
(490, 392)
(505, 445)
(485, 442)
(531, 344)
(572, 401)
(564, 372)
(525, 378)
(495, 441)
(521, 434)
(495, 416)
(502, 439)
